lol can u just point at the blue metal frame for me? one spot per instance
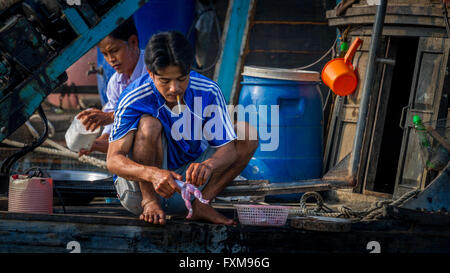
(232, 47)
(19, 105)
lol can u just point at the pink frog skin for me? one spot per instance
(186, 191)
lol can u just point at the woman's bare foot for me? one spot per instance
(152, 212)
(205, 212)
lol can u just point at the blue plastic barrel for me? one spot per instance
(153, 17)
(295, 97)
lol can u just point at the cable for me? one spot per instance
(7, 164)
(321, 58)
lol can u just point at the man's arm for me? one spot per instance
(198, 173)
(119, 164)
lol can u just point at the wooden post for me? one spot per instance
(235, 29)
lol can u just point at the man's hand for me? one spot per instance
(100, 145)
(164, 183)
(198, 173)
(94, 118)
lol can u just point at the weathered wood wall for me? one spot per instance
(51, 233)
(288, 34)
(420, 21)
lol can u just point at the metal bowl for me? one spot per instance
(84, 176)
(81, 187)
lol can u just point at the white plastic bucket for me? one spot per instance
(30, 195)
(77, 137)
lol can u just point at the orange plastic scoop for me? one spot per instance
(339, 74)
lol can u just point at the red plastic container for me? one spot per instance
(30, 195)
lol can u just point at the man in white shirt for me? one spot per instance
(121, 50)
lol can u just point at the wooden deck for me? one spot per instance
(109, 228)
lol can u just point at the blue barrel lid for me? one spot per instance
(281, 73)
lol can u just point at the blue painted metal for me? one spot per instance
(25, 99)
(150, 19)
(75, 20)
(79, 47)
(435, 197)
(153, 18)
(300, 125)
(233, 46)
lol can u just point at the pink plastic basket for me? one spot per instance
(262, 215)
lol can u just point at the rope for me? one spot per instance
(60, 151)
(375, 211)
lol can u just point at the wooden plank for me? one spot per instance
(20, 235)
(392, 9)
(292, 37)
(293, 10)
(285, 59)
(329, 160)
(397, 19)
(292, 23)
(319, 223)
(391, 30)
(439, 138)
(345, 141)
(421, 217)
(383, 195)
(51, 236)
(415, 2)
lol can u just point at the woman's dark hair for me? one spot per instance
(168, 48)
(124, 30)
